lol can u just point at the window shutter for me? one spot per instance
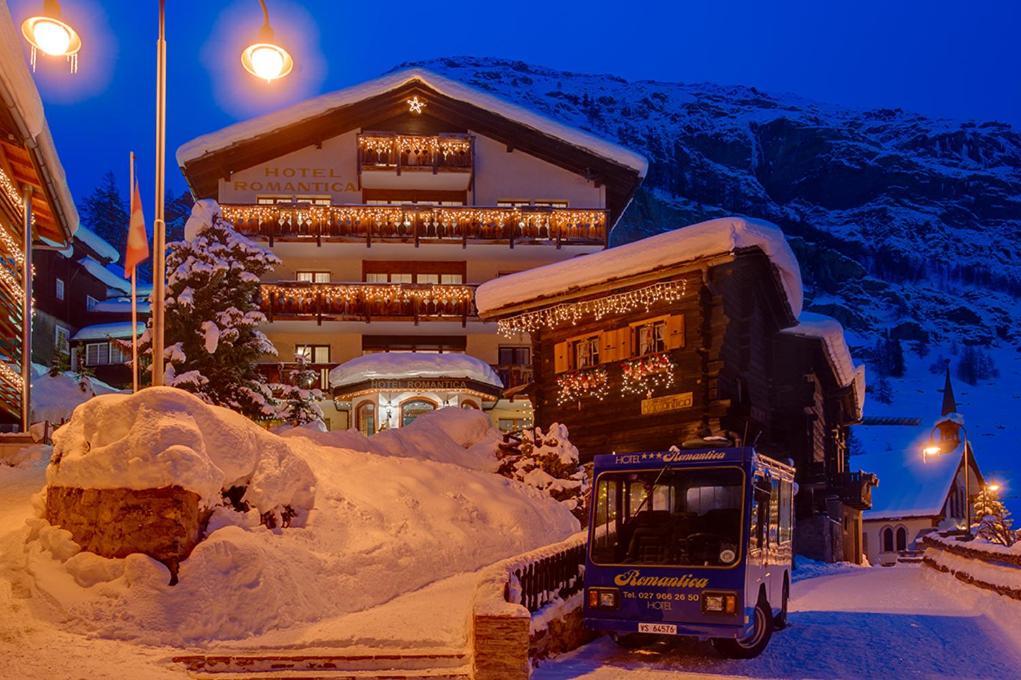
(675, 331)
(624, 350)
(560, 357)
(608, 348)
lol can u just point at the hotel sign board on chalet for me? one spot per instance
(667, 403)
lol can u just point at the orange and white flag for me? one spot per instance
(138, 242)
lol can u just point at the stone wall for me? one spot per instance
(165, 523)
(992, 568)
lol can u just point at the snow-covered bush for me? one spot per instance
(994, 522)
(298, 400)
(212, 314)
(549, 462)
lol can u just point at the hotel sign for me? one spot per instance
(419, 384)
(668, 403)
(298, 180)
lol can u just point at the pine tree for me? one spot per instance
(299, 401)
(105, 212)
(994, 523)
(549, 462)
(212, 314)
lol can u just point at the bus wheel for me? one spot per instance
(751, 646)
(780, 622)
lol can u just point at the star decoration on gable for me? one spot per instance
(416, 105)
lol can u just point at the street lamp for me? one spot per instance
(935, 449)
(264, 59)
(47, 32)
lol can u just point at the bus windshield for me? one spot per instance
(679, 517)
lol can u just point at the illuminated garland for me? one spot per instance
(641, 376)
(12, 193)
(389, 145)
(397, 217)
(592, 384)
(10, 375)
(11, 246)
(385, 293)
(573, 312)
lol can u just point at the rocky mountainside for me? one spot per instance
(904, 225)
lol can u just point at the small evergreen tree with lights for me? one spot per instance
(299, 400)
(993, 517)
(549, 462)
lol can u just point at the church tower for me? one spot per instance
(951, 422)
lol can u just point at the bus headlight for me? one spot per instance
(603, 598)
(719, 603)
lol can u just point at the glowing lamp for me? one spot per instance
(931, 450)
(993, 487)
(47, 33)
(264, 58)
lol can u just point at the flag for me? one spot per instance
(138, 242)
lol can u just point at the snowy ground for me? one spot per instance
(900, 622)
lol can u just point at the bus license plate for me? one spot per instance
(660, 628)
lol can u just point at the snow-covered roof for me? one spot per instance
(397, 365)
(17, 83)
(121, 305)
(723, 235)
(98, 244)
(117, 330)
(142, 287)
(310, 108)
(829, 330)
(111, 279)
(910, 484)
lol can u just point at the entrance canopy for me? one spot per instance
(415, 372)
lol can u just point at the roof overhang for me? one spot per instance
(207, 159)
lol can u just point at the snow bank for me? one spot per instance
(164, 437)
(381, 525)
(714, 237)
(460, 436)
(55, 397)
(395, 365)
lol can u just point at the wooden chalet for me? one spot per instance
(681, 336)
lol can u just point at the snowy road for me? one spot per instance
(868, 623)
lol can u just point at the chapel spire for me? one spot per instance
(949, 403)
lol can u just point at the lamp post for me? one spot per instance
(934, 449)
(264, 58)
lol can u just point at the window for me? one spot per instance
(902, 539)
(512, 424)
(413, 408)
(418, 271)
(61, 339)
(679, 517)
(451, 279)
(313, 354)
(524, 203)
(786, 511)
(313, 277)
(288, 200)
(90, 302)
(650, 338)
(427, 278)
(887, 539)
(60, 288)
(585, 352)
(377, 277)
(97, 354)
(117, 355)
(401, 278)
(365, 418)
(515, 356)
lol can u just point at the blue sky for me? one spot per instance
(942, 58)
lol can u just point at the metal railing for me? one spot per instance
(546, 579)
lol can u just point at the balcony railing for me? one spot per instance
(368, 301)
(855, 488)
(418, 223)
(431, 153)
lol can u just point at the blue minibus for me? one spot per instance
(694, 542)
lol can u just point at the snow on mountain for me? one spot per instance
(907, 228)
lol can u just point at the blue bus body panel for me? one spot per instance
(672, 595)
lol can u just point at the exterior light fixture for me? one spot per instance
(416, 105)
(993, 487)
(264, 58)
(47, 32)
(931, 450)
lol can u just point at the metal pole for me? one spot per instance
(159, 227)
(26, 314)
(967, 488)
(134, 277)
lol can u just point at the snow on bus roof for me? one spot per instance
(395, 365)
(831, 333)
(714, 237)
(310, 108)
(910, 484)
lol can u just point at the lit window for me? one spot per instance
(650, 338)
(313, 277)
(428, 278)
(400, 278)
(451, 279)
(585, 352)
(377, 277)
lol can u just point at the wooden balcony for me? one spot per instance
(391, 151)
(416, 224)
(284, 372)
(513, 375)
(368, 302)
(855, 488)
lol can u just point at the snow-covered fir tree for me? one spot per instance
(549, 462)
(212, 314)
(994, 522)
(298, 402)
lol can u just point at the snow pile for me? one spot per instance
(460, 436)
(805, 568)
(55, 397)
(714, 237)
(163, 437)
(381, 525)
(398, 365)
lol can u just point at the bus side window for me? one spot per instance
(774, 512)
(761, 492)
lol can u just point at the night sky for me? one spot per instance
(944, 58)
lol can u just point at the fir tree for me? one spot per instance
(975, 365)
(299, 401)
(105, 212)
(994, 523)
(549, 462)
(212, 315)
